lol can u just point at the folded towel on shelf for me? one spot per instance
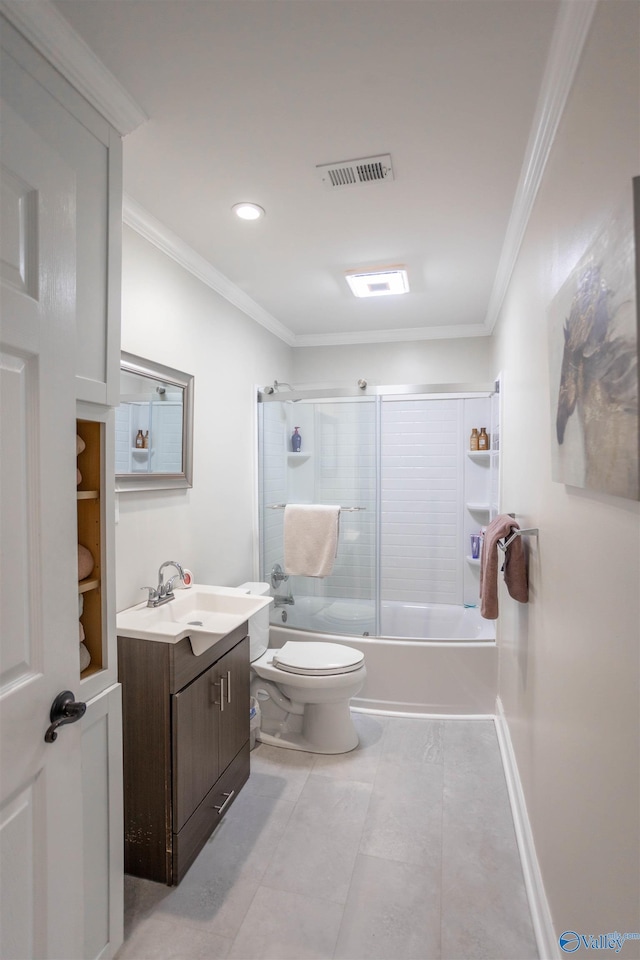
(310, 539)
(515, 569)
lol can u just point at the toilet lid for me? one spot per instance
(318, 659)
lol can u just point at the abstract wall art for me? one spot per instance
(593, 357)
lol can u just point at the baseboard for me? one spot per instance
(546, 939)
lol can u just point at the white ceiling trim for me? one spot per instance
(567, 43)
(391, 336)
(140, 220)
(55, 39)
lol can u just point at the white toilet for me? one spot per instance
(303, 688)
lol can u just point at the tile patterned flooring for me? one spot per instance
(403, 849)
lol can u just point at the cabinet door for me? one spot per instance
(233, 671)
(196, 729)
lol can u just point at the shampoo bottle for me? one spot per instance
(483, 439)
(473, 441)
(296, 440)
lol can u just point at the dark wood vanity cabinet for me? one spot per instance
(186, 747)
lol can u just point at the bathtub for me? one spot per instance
(450, 672)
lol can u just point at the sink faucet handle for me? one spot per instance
(153, 593)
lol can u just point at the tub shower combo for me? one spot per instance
(404, 586)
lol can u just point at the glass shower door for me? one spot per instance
(336, 464)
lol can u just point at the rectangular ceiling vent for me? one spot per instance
(348, 173)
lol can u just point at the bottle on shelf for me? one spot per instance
(474, 440)
(139, 440)
(296, 440)
(145, 441)
(483, 439)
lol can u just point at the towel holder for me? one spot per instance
(528, 532)
(281, 506)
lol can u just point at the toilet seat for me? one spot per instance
(317, 659)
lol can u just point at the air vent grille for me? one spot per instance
(348, 173)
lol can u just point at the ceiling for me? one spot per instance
(245, 98)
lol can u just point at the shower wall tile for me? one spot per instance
(421, 496)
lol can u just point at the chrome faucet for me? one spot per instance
(277, 577)
(279, 601)
(163, 593)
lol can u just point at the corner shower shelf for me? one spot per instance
(479, 507)
(481, 455)
(298, 456)
(473, 561)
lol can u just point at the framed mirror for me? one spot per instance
(154, 426)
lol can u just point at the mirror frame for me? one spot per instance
(126, 482)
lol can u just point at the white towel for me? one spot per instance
(310, 539)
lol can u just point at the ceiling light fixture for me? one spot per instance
(248, 211)
(379, 283)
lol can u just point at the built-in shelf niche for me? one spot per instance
(90, 535)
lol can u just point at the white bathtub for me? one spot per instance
(452, 672)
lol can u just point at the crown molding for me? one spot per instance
(569, 36)
(48, 31)
(140, 220)
(402, 335)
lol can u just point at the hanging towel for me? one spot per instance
(310, 539)
(515, 571)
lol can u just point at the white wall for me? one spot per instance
(171, 317)
(465, 360)
(569, 660)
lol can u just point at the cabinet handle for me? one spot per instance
(229, 797)
(220, 702)
(228, 686)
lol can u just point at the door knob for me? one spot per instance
(64, 709)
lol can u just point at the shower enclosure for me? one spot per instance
(397, 460)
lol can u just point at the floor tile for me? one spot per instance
(317, 851)
(279, 773)
(140, 899)
(413, 741)
(156, 939)
(214, 903)
(246, 839)
(408, 831)
(291, 927)
(485, 912)
(392, 912)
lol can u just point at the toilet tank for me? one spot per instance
(259, 622)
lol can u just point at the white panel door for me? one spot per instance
(41, 894)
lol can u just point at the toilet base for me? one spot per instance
(319, 730)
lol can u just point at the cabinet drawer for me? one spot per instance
(188, 843)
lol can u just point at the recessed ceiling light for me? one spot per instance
(248, 211)
(379, 283)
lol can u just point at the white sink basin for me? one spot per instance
(204, 614)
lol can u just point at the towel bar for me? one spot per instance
(281, 506)
(529, 532)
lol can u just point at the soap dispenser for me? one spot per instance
(296, 440)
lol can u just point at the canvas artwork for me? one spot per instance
(593, 354)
